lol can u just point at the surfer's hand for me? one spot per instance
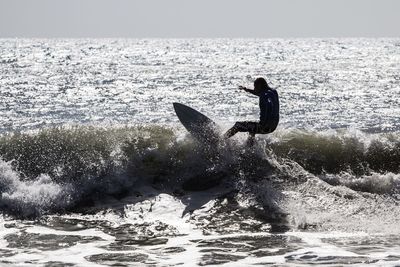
(242, 87)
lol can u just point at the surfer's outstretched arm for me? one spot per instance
(248, 90)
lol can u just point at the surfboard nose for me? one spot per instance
(198, 124)
(181, 108)
(176, 105)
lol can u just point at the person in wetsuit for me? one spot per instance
(269, 112)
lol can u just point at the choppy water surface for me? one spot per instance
(96, 170)
(323, 83)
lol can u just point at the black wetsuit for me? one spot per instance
(269, 110)
(269, 116)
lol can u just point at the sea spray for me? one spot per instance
(74, 166)
(27, 198)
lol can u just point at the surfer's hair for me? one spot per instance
(261, 82)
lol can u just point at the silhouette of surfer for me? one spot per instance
(269, 112)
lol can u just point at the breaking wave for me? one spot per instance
(67, 168)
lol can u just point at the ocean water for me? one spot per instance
(96, 170)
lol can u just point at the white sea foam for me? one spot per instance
(31, 196)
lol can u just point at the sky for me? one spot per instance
(199, 18)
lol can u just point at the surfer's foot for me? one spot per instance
(231, 132)
(225, 136)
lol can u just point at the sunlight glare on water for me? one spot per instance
(96, 170)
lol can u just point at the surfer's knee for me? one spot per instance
(241, 126)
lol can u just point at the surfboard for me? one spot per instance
(197, 124)
(207, 133)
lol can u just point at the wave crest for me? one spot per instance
(52, 170)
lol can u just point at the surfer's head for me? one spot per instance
(260, 84)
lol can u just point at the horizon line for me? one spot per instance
(198, 37)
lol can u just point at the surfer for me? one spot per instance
(269, 112)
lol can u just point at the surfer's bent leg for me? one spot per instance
(242, 126)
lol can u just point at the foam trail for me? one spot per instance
(28, 198)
